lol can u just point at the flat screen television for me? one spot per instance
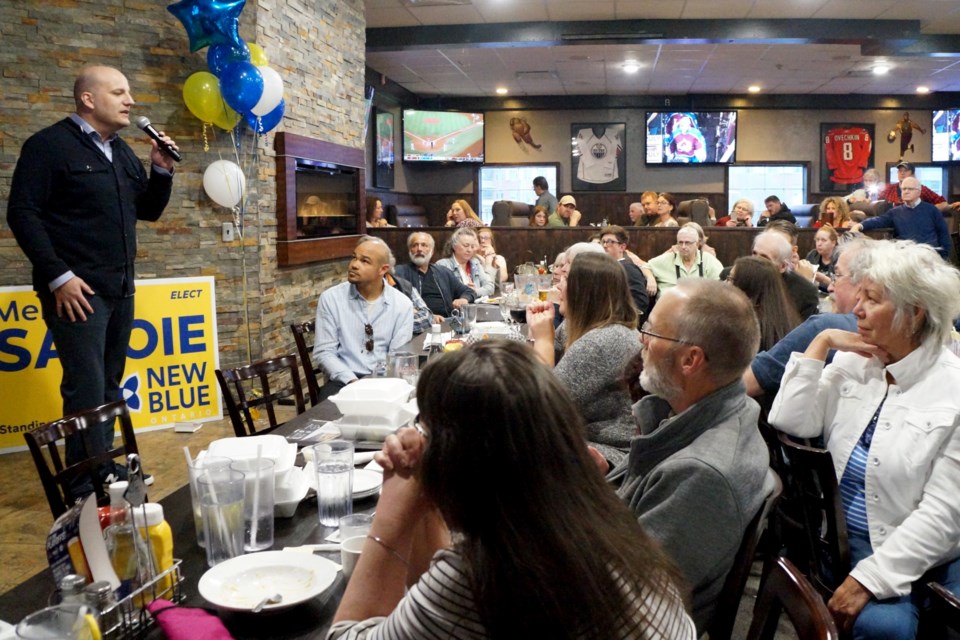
(946, 135)
(691, 137)
(383, 141)
(442, 136)
(512, 182)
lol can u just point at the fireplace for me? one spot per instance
(320, 195)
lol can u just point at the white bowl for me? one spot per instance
(288, 496)
(379, 397)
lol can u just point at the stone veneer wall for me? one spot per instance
(318, 48)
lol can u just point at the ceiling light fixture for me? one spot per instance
(754, 88)
(501, 91)
(923, 89)
(880, 69)
(631, 66)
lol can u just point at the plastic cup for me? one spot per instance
(258, 500)
(406, 365)
(334, 464)
(61, 622)
(194, 469)
(221, 505)
(353, 534)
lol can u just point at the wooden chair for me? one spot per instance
(814, 482)
(721, 627)
(785, 589)
(301, 331)
(57, 478)
(944, 610)
(240, 399)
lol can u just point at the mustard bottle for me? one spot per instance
(149, 520)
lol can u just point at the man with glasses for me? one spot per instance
(689, 261)
(566, 214)
(361, 320)
(613, 238)
(914, 220)
(697, 472)
(893, 192)
(766, 370)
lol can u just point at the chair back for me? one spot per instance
(697, 210)
(57, 478)
(813, 482)
(784, 588)
(241, 398)
(725, 612)
(944, 610)
(302, 332)
(806, 214)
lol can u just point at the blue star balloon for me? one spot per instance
(210, 22)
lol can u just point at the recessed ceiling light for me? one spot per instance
(923, 89)
(631, 67)
(880, 69)
(501, 91)
(754, 88)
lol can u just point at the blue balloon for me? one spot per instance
(268, 122)
(241, 85)
(210, 21)
(220, 55)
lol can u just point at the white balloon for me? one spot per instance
(224, 183)
(272, 92)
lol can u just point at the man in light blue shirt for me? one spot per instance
(362, 320)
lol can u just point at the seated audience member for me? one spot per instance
(361, 320)
(494, 263)
(666, 206)
(872, 184)
(473, 586)
(600, 333)
(702, 246)
(463, 261)
(761, 281)
(648, 200)
(893, 193)
(823, 257)
(887, 410)
(375, 213)
(792, 234)
(539, 217)
(422, 316)
(763, 376)
(613, 238)
(566, 214)
(914, 220)
(439, 287)
(461, 214)
(775, 247)
(545, 199)
(834, 212)
(697, 473)
(741, 216)
(688, 262)
(635, 212)
(775, 210)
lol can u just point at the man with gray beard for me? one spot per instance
(697, 473)
(440, 288)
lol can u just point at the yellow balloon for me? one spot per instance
(258, 57)
(201, 94)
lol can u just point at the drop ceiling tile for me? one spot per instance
(390, 18)
(584, 10)
(647, 9)
(459, 14)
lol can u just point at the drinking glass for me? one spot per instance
(60, 622)
(406, 365)
(258, 499)
(334, 464)
(353, 534)
(221, 504)
(194, 469)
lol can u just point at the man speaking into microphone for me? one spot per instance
(77, 193)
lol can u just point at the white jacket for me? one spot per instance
(912, 485)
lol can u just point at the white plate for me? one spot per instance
(498, 328)
(366, 483)
(240, 583)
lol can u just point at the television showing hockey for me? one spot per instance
(691, 137)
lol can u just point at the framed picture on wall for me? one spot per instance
(598, 160)
(383, 141)
(846, 151)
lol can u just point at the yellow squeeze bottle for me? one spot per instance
(157, 531)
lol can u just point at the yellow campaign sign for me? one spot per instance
(171, 359)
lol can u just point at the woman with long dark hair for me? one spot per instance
(763, 284)
(597, 338)
(540, 549)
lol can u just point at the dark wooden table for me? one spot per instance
(310, 619)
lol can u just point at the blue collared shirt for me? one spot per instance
(342, 315)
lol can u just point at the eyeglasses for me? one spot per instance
(663, 202)
(419, 427)
(609, 241)
(686, 243)
(645, 331)
(368, 329)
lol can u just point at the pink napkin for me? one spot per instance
(186, 623)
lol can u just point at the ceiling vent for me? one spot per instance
(536, 76)
(435, 3)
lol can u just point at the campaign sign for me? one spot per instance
(171, 359)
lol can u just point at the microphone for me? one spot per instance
(144, 123)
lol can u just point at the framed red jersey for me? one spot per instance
(846, 152)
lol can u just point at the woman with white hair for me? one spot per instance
(741, 215)
(463, 261)
(888, 411)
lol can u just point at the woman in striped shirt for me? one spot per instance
(541, 545)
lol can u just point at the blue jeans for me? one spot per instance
(896, 618)
(93, 354)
